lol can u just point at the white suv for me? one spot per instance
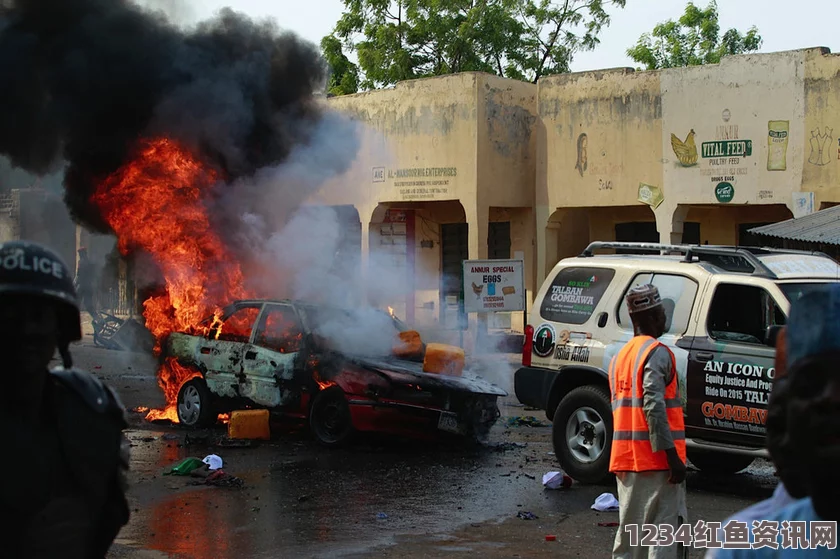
(725, 306)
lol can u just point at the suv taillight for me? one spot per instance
(528, 346)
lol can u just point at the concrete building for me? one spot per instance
(477, 166)
(450, 168)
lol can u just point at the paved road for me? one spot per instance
(303, 501)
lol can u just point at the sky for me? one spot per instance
(781, 24)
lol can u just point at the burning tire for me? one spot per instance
(195, 406)
(330, 419)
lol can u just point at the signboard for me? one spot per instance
(724, 192)
(650, 195)
(494, 285)
(727, 148)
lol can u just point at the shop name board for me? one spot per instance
(727, 148)
(421, 172)
(494, 285)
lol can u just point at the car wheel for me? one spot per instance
(582, 434)
(195, 404)
(330, 419)
(718, 462)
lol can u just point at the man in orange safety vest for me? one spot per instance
(648, 447)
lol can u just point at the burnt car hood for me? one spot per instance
(407, 372)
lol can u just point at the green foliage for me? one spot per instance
(399, 40)
(693, 40)
(344, 75)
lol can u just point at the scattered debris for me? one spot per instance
(504, 446)
(220, 479)
(556, 480)
(185, 467)
(529, 421)
(303, 498)
(170, 437)
(529, 476)
(381, 515)
(213, 461)
(608, 524)
(525, 515)
(236, 443)
(551, 538)
(605, 502)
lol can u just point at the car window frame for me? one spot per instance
(211, 333)
(713, 294)
(263, 317)
(620, 304)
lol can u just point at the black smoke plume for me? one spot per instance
(82, 80)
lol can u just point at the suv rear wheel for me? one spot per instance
(582, 433)
(718, 462)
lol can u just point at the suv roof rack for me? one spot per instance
(745, 255)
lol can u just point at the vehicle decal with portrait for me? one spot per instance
(545, 338)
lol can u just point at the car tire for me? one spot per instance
(582, 434)
(195, 404)
(718, 463)
(329, 418)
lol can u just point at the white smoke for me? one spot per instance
(302, 252)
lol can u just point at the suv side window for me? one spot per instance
(678, 294)
(742, 313)
(574, 294)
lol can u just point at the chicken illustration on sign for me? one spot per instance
(686, 151)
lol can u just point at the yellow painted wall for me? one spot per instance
(734, 101)
(420, 143)
(506, 141)
(619, 112)
(822, 127)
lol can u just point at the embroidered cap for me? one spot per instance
(643, 298)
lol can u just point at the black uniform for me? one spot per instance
(64, 473)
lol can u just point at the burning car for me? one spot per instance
(333, 367)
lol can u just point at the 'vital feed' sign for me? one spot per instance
(494, 285)
(727, 148)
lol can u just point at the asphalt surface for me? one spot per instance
(380, 498)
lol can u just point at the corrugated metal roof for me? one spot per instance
(819, 227)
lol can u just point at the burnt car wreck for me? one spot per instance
(342, 371)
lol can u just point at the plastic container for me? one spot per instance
(249, 424)
(444, 359)
(410, 345)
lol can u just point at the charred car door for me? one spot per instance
(220, 351)
(269, 361)
(731, 366)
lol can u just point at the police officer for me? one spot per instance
(65, 457)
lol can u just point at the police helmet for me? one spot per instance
(31, 268)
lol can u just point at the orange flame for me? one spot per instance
(391, 311)
(156, 203)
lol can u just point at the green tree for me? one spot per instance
(692, 40)
(397, 40)
(344, 75)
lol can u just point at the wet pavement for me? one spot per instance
(379, 498)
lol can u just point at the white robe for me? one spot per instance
(648, 498)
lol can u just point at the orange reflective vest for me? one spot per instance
(631, 448)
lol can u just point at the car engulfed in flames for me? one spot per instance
(282, 355)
